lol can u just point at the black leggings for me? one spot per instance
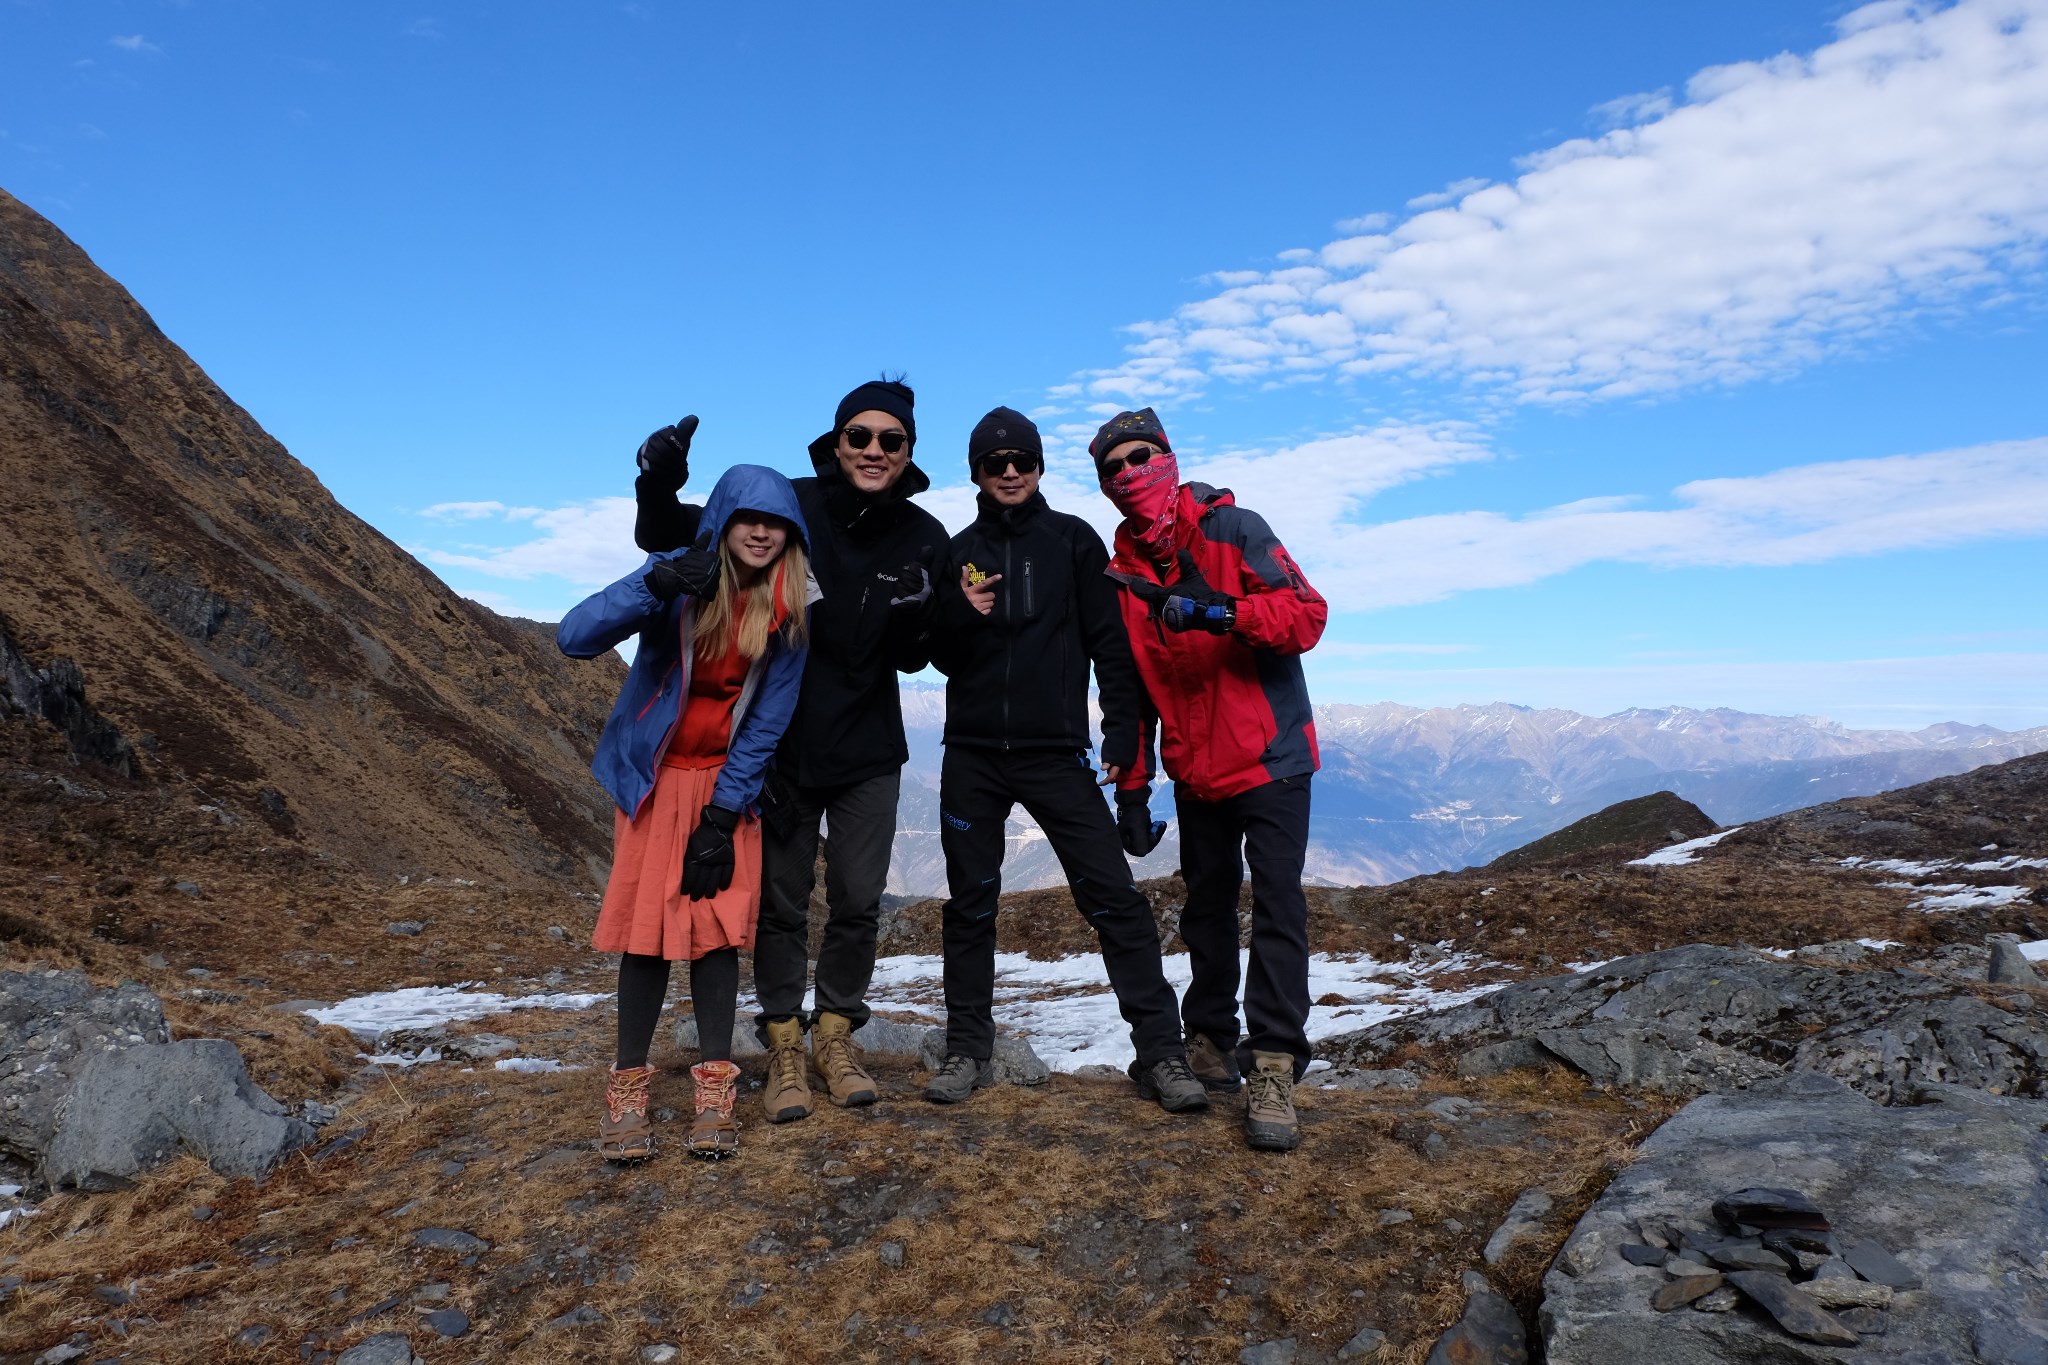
(714, 993)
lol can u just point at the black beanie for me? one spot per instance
(1003, 429)
(1142, 425)
(878, 395)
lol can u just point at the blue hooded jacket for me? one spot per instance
(650, 704)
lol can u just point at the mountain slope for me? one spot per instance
(248, 634)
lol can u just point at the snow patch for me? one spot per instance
(1958, 897)
(380, 1012)
(1068, 1012)
(1679, 855)
(532, 1064)
(2037, 951)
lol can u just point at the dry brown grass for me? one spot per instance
(1103, 1225)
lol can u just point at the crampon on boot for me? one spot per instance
(623, 1133)
(714, 1134)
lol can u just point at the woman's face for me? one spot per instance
(756, 538)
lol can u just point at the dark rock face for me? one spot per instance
(1955, 1187)
(1702, 1018)
(52, 1024)
(57, 695)
(132, 1109)
(1488, 1333)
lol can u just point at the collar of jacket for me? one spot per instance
(991, 515)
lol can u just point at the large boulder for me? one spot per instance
(132, 1109)
(1956, 1187)
(1703, 1018)
(51, 1025)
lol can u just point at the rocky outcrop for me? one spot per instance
(93, 1092)
(52, 1024)
(1622, 829)
(57, 694)
(1956, 1187)
(137, 1107)
(1702, 1018)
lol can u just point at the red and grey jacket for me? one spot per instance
(1231, 711)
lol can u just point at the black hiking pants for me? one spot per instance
(977, 788)
(1267, 827)
(860, 823)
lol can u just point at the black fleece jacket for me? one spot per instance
(1018, 677)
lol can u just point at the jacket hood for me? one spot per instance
(825, 460)
(753, 488)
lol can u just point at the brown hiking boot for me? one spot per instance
(1269, 1121)
(785, 1091)
(1213, 1067)
(623, 1133)
(837, 1058)
(714, 1135)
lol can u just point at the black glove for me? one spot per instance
(708, 857)
(909, 586)
(694, 571)
(1191, 604)
(665, 456)
(1134, 823)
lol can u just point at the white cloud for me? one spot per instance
(423, 28)
(135, 42)
(1775, 213)
(586, 543)
(1801, 515)
(479, 511)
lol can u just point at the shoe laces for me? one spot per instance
(787, 1066)
(716, 1091)
(1268, 1090)
(627, 1092)
(836, 1054)
(1177, 1069)
(957, 1065)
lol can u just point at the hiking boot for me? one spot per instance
(785, 1091)
(959, 1078)
(1170, 1082)
(1269, 1121)
(1213, 1066)
(714, 1135)
(837, 1058)
(623, 1133)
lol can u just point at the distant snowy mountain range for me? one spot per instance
(1406, 790)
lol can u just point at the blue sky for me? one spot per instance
(1593, 355)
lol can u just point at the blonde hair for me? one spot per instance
(782, 587)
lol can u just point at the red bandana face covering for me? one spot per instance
(1149, 497)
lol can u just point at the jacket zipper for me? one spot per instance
(1009, 647)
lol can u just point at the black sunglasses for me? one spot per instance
(889, 441)
(1002, 461)
(1137, 458)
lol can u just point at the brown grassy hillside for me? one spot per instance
(245, 630)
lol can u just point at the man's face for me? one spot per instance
(869, 467)
(1008, 476)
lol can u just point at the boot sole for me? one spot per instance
(1270, 1140)
(1194, 1104)
(855, 1100)
(790, 1114)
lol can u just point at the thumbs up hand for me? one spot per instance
(694, 571)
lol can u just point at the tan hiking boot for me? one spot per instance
(1269, 1120)
(623, 1133)
(1215, 1068)
(714, 1134)
(837, 1058)
(785, 1091)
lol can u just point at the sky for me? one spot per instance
(1596, 356)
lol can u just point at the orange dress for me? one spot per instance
(644, 908)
